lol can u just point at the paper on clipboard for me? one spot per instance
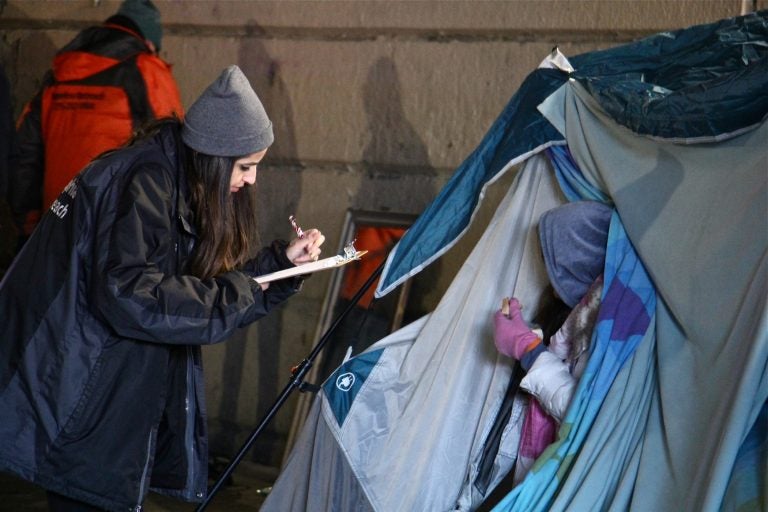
(315, 266)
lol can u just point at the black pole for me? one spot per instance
(297, 380)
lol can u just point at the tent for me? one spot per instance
(671, 412)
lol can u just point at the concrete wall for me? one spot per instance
(374, 104)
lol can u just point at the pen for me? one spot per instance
(296, 228)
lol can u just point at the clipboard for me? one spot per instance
(350, 255)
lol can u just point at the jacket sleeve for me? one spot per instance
(25, 178)
(162, 90)
(138, 299)
(272, 259)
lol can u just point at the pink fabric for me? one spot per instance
(511, 333)
(538, 431)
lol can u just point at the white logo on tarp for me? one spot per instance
(345, 381)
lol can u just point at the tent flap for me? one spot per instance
(700, 82)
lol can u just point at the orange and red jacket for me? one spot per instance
(103, 85)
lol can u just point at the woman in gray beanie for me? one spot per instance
(148, 253)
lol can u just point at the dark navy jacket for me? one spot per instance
(101, 387)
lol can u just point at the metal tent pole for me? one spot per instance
(297, 381)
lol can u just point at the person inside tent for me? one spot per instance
(573, 240)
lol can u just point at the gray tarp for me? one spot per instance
(698, 217)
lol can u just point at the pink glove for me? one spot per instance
(511, 334)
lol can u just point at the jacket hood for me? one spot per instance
(76, 65)
(94, 50)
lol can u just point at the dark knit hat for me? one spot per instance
(573, 240)
(146, 16)
(228, 119)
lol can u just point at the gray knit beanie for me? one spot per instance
(573, 240)
(228, 119)
(146, 16)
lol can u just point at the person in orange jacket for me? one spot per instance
(105, 83)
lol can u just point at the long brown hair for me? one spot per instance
(226, 222)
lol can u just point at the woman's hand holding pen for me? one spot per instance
(306, 248)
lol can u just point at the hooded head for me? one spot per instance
(228, 119)
(573, 240)
(146, 17)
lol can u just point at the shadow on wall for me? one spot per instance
(397, 177)
(393, 140)
(25, 57)
(278, 193)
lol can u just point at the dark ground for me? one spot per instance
(242, 495)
